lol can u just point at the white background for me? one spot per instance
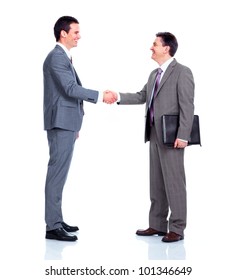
(107, 187)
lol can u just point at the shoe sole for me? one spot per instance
(52, 237)
(169, 241)
(160, 234)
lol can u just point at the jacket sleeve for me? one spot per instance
(186, 103)
(134, 98)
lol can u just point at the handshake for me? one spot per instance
(109, 96)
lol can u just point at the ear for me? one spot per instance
(167, 49)
(63, 34)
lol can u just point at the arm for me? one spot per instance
(62, 73)
(133, 98)
(126, 98)
(186, 105)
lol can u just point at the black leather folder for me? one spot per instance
(170, 124)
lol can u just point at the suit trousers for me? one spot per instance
(61, 146)
(168, 209)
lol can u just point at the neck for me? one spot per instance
(163, 60)
(64, 44)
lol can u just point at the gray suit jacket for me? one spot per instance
(175, 96)
(63, 93)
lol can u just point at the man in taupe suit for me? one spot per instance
(174, 95)
(63, 116)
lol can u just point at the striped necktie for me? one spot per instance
(157, 81)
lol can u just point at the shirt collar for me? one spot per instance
(65, 49)
(166, 64)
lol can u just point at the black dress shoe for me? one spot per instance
(69, 228)
(149, 232)
(172, 237)
(60, 234)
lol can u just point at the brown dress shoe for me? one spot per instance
(172, 237)
(150, 231)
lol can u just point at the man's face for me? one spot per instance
(158, 50)
(72, 37)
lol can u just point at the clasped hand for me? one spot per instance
(109, 96)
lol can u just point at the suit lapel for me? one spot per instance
(72, 67)
(167, 73)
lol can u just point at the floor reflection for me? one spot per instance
(158, 250)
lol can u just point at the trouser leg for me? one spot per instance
(61, 145)
(159, 205)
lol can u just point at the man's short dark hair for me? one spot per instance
(169, 40)
(63, 23)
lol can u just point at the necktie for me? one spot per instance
(151, 108)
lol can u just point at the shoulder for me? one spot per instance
(56, 55)
(183, 72)
(56, 59)
(57, 51)
(180, 67)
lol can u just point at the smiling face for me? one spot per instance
(160, 53)
(70, 39)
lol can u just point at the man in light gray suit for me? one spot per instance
(63, 116)
(173, 94)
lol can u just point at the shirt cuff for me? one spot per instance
(183, 140)
(100, 96)
(118, 97)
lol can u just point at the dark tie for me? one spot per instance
(151, 108)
